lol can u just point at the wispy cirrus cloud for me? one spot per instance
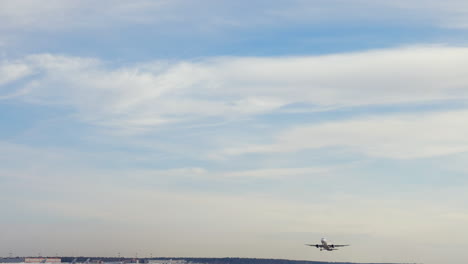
(10, 72)
(401, 136)
(13, 71)
(153, 94)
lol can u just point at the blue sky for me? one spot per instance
(242, 129)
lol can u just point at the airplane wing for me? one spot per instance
(338, 246)
(314, 245)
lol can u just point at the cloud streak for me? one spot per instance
(144, 96)
(403, 136)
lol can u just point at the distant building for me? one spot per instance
(11, 260)
(166, 261)
(41, 260)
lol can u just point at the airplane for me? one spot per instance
(325, 245)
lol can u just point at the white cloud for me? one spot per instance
(12, 71)
(148, 95)
(400, 136)
(233, 176)
(276, 173)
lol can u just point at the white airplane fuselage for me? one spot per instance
(325, 245)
